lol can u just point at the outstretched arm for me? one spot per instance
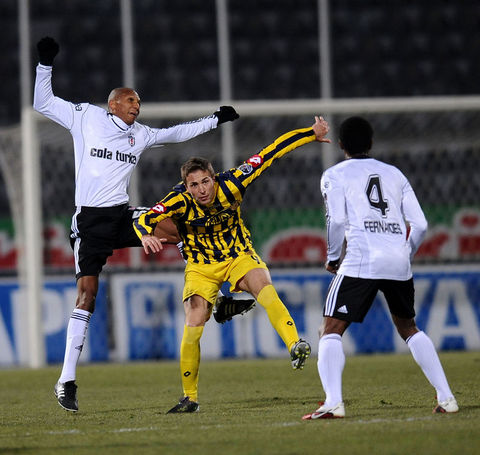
(188, 130)
(259, 163)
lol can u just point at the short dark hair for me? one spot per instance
(356, 135)
(196, 163)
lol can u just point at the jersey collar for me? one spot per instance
(118, 122)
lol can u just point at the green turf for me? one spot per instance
(247, 407)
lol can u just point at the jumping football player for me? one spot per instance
(107, 147)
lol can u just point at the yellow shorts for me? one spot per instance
(205, 280)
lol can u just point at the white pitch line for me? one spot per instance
(344, 421)
(129, 430)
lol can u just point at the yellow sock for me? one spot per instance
(279, 316)
(190, 360)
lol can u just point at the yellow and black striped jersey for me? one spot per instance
(216, 232)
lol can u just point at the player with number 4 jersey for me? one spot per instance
(368, 203)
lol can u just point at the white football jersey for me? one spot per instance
(106, 149)
(367, 202)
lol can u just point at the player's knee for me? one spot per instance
(333, 325)
(405, 327)
(197, 311)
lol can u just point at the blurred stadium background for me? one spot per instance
(410, 67)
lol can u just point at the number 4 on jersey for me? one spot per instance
(375, 195)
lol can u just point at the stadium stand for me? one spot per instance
(378, 49)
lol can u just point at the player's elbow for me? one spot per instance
(336, 224)
(36, 105)
(42, 99)
(139, 230)
(40, 105)
(423, 226)
(418, 231)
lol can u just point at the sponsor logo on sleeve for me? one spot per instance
(159, 208)
(255, 160)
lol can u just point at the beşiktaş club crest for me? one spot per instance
(246, 168)
(131, 140)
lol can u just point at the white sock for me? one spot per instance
(76, 331)
(424, 353)
(331, 360)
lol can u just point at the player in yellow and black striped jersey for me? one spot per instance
(218, 248)
(216, 232)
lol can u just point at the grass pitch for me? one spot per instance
(246, 407)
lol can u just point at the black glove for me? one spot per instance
(47, 50)
(226, 114)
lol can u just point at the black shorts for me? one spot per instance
(349, 299)
(97, 231)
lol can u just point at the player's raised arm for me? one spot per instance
(44, 101)
(259, 163)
